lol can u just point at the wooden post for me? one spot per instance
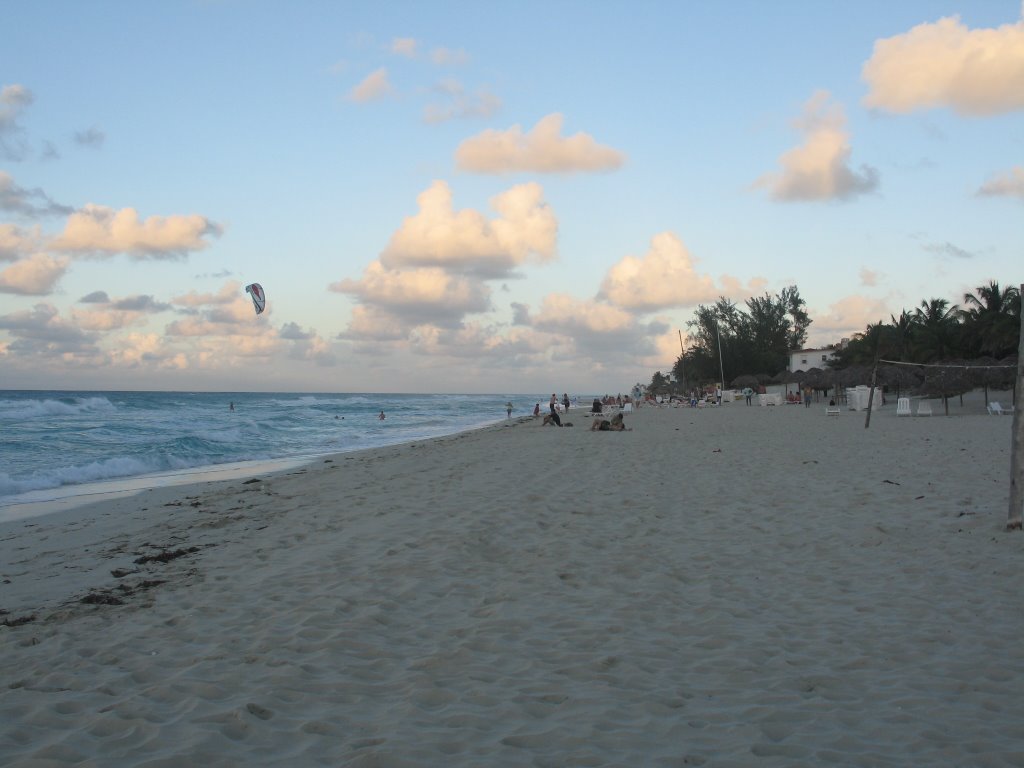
(1014, 518)
(871, 394)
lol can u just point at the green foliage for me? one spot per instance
(752, 341)
(937, 331)
(758, 339)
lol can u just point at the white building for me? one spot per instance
(805, 359)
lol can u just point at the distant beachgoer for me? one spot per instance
(553, 403)
(718, 395)
(381, 417)
(508, 408)
(748, 393)
(832, 403)
(617, 424)
(807, 397)
(231, 406)
(596, 407)
(552, 420)
(565, 402)
(536, 410)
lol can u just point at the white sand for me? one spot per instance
(731, 587)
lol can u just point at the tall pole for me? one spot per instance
(721, 367)
(682, 356)
(1015, 517)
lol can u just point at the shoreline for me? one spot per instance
(732, 586)
(46, 501)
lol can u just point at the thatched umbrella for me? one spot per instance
(981, 373)
(786, 377)
(900, 376)
(815, 379)
(855, 375)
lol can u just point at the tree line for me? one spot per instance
(756, 340)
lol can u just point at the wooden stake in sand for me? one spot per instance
(1014, 519)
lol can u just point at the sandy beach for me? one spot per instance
(735, 586)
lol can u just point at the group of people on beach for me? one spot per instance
(615, 424)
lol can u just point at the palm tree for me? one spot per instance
(991, 319)
(900, 334)
(936, 324)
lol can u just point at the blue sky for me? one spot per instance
(484, 197)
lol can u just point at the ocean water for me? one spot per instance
(52, 443)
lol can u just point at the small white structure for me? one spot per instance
(857, 398)
(805, 359)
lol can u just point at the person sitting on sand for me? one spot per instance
(596, 407)
(552, 420)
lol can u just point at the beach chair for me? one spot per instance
(832, 410)
(924, 408)
(903, 406)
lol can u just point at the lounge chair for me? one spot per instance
(832, 410)
(924, 408)
(995, 409)
(903, 406)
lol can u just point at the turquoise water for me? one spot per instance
(57, 440)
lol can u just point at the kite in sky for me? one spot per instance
(259, 298)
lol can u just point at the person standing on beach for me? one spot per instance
(718, 395)
(553, 404)
(807, 397)
(536, 410)
(508, 408)
(565, 401)
(381, 417)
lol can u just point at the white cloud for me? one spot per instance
(15, 242)
(34, 275)
(849, 315)
(459, 104)
(819, 168)
(99, 230)
(418, 295)
(14, 99)
(594, 329)
(31, 203)
(974, 72)
(1007, 184)
(230, 292)
(542, 150)
(466, 241)
(663, 277)
(374, 87)
(448, 57)
(404, 46)
(868, 277)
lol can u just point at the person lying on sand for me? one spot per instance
(617, 424)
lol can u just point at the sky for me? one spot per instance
(485, 197)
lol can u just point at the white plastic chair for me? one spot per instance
(995, 409)
(924, 408)
(903, 406)
(832, 410)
